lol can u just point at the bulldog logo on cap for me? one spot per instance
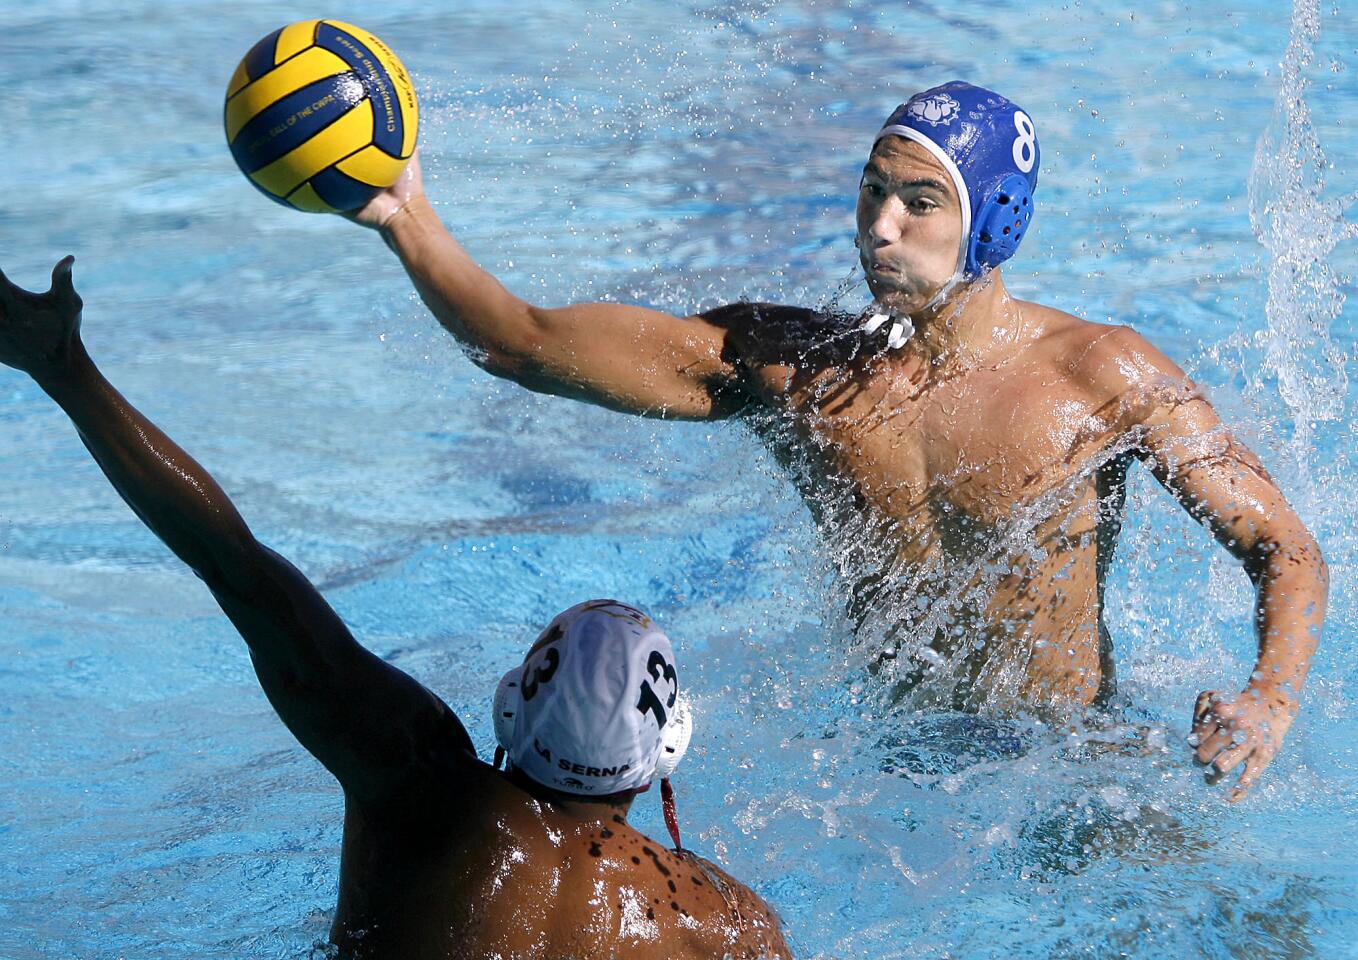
(935, 109)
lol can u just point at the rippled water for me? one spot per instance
(1198, 170)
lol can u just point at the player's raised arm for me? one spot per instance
(622, 357)
(368, 722)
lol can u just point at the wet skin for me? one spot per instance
(444, 858)
(996, 411)
(476, 863)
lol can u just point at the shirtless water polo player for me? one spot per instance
(982, 442)
(444, 856)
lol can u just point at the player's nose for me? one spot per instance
(884, 226)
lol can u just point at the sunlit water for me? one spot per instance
(1197, 176)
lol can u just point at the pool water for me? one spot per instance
(1198, 169)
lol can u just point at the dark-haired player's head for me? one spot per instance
(947, 194)
(595, 710)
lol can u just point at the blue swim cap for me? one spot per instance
(989, 147)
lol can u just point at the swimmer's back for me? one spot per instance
(477, 867)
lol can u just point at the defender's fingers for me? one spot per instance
(1204, 720)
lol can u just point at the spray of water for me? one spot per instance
(1300, 228)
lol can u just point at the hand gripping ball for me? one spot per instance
(321, 116)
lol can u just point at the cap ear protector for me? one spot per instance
(1000, 223)
(506, 707)
(674, 738)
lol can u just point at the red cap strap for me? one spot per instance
(667, 804)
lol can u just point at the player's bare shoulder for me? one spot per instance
(753, 930)
(1109, 363)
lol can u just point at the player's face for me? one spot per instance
(909, 224)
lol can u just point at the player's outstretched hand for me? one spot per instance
(379, 211)
(40, 332)
(1248, 728)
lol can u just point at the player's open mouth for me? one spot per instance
(882, 270)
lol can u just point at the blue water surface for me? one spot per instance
(1198, 158)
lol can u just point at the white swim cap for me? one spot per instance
(595, 709)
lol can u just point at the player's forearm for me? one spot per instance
(1293, 585)
(467, 300)
(174, 496)
(620, 356)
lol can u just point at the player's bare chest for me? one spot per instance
(972, 444)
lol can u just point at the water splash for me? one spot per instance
(1300, 228)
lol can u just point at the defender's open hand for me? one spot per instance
(40, 331)
(1248, 728)
(378, 211)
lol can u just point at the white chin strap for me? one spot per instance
(901, 327)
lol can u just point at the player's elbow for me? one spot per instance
(495, 361)
(1295, 554)
(519, 340)
(1321, 568)
(237, 566)
(1303, 551)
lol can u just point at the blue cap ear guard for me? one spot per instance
(999, 224)
(989, 147)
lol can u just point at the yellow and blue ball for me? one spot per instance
(321, 116)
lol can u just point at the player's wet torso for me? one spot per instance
(485, 870)
(995, 492)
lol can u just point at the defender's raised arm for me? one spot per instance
(428, 828)
(359, 716)
(622, 357)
